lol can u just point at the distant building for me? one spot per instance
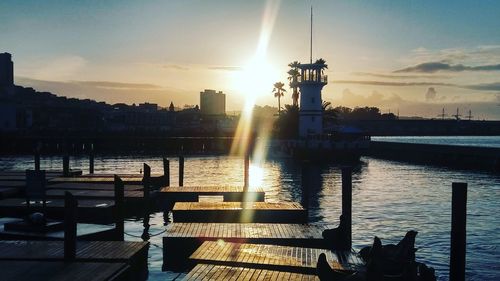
(212, 103)
(6, 73)
(148, 107)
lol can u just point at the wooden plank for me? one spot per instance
(43, 270)
(239, 212)
(229, 193)
(217, 272)
(121, 251)
(92, 194)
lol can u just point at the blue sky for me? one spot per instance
(165, 51)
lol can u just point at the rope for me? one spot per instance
(150, 235)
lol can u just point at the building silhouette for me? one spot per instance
(212, 102)
(6, 73)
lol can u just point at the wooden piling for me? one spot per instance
(66, 165)
(91, 160)
(119, 201)
(247, 170)
(146, 180)
(181, 170)
(37, 160)
(70, 206)
(458, 230)
(347, 202)
(166, 171)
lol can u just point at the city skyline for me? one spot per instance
(413, 57)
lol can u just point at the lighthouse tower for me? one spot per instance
(311, 82)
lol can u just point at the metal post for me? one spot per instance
(119, 198)
(166, 171)
(181, 170)
(70, 206)
(458, 230)
(347, 202)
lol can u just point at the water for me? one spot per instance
(389, 198)
(484, 141)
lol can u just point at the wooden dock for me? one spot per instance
(272, 257)
(48, 270)
(70, 186)
(217, 272)
(127, 180)
(87, 232)
(239, 212)
(93, 211)
(229, 193)
(182, 239)
(134, 254)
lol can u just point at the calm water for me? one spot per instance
(389, 198)
(488, 141)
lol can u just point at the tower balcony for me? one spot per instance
(313, 78)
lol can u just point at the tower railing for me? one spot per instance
(312, 77)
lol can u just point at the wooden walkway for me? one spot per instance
(229, 193)
(126, 180)
(44, 270)
(94, 194)
(216, 272)
(239, 212)
(94, 211)
(272, 257)
(92, 186)
(182, 239)
(84, 231)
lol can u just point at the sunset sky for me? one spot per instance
(413, 56)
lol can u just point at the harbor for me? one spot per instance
(403, 187)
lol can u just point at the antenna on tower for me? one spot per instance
(311, 42)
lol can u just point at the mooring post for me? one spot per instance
(91, 159)
(181, 170)
(146, 180)
(347, 202)
(70, 209)
(166, 171)
(37, 159)
(119, 199)
(458, 230)
(247, 170)
(66, 164)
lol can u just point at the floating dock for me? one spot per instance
(182, 239)
(217, 272)
(229, 193)
(239, 212)
(272, 257)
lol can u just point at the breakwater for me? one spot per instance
(485, 158)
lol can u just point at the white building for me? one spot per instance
(311, 82)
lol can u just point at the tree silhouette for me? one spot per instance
(293, 75)
(287, 124)
(278, 91)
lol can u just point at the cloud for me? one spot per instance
(484, 87)
(480, 87)
(431, 94)
(118, 85)
(392, 76)
(60, 68)
(431, 67)
(112, 92)
(478, 55)
(175, 66)
(390, 83)
(226, 68)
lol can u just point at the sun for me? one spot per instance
(256, 80)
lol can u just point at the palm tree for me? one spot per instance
(293, 78)
(278, 93)
(287, 124)
(321, 62)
